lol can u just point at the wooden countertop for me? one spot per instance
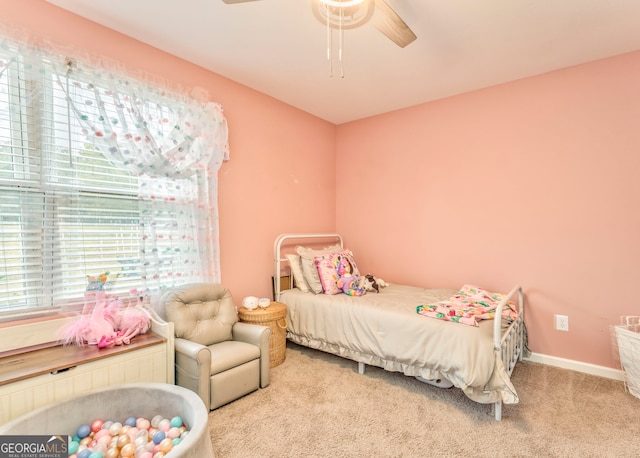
(59, 358)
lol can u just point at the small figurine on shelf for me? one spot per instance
(98, 282)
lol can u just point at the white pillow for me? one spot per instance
(296, 271)
(309, 269)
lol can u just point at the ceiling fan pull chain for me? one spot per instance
(329, 42)
(341, 39)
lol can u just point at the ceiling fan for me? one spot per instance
(354, 13)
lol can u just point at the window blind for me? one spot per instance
(67, 212)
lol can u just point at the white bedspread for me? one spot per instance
(384, 330)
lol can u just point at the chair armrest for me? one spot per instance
(260, 336)
(192, 350)
(251, 333)
(193, 368)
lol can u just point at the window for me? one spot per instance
(74, 206)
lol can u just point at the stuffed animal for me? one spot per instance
(349, 285)
(347, 282)
(367, 282)
(371, 283)
(105, 321)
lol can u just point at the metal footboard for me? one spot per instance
(509, 346)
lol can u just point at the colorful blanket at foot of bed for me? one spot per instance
(468, 306)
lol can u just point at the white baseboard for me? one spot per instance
(578, 366)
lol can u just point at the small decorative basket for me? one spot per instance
(275, 318)
(628, 342)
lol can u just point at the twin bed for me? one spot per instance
(384, 329)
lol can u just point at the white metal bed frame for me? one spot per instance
(508, 346)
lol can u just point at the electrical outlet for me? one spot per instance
(562, 323)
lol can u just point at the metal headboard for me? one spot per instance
(277, 253)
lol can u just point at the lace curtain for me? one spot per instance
(169, 144)
(173, 142)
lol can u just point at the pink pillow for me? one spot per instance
(332, 266)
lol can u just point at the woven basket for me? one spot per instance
(275, 318)
(628, 338)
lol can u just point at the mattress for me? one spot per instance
(384, 330)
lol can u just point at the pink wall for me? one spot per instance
(281, 176)
(533, 182)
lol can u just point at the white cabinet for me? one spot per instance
(33, 379)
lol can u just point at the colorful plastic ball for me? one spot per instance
(158, 455)
(86, 441)
(86, 453)
(173, 433)
(158, 437)
(96, 455)
(115, 428)
(100, 434)
(104, 441)
(123, 440)
(73, 447)
(83, 431)
(143, 423)
(96, 425)
(128, 450)
(131, 421)
(133, 432)
(101, 449)
(164, 425)
(166, 445)
(176, 422)
(140, 442)
(155, 421)
(113, 452)
(176, 441)
(145, 455)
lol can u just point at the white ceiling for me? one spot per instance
(278, 47)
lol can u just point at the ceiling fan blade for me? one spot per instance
(391, 25)
(238, 1)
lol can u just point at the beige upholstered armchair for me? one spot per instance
(218, 357)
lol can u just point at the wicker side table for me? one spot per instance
(274, 317)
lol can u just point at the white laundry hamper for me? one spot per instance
(628, 342)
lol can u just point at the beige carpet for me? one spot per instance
(319, 406)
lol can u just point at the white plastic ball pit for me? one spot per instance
(118, 403)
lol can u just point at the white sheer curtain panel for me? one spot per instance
(175, 147)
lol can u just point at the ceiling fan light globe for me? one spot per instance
(343, 17)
